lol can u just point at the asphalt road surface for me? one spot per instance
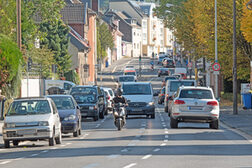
(143, 142)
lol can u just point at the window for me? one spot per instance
(134, 45)
(137, 46)
(134, 33)
(140, 89)
(196, 94)
(174, 85)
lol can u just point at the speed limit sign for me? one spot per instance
(216, 66)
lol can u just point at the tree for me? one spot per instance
(11, 59)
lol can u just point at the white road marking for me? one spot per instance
(165, 129)
(44, 151)
(138, 136)
(86, 134)
(166, 136)
(164, 125)
(156, 150)
(130, 165)
(36, 154)
(166, 132)
(54, 148)
(91, 165)
(124, 150)
(165, 140)
(113, 156)
(64, 145)
(114, 69)
(68, 143)
(131, 144)
(5, 162)
(163, 144)
(146, 157)
(19, 158)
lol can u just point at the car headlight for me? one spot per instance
(69, 118)
(10, 125)
(43, 123)
(151, 103)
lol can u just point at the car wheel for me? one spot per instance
(15, 143)
(76, 133)
(166, 109)
(173, 123)
(152, 116)
(58, 139)
(51, 140)
(80, 128)
(95, 118)
(7, 144)
(214, 124)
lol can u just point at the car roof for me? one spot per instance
(136, 83)
(31, 98)
(85, 86)
(195, 87)
(59, 95)
(126, 76)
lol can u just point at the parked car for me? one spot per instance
(168, 63)
(32, 119)
(89, 105)
(111, 95)
(141, 99)
(195, 104)
(92, 89)
(172, 86)
(69, 113)
(166, 79)
(163, 71)
(161, 96)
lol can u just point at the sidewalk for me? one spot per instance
(242, 121)
(111, 67)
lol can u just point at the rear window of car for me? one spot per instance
(137, 89)
(196, 94)
(126, 79)
(170, 78)
(111, 93)
(87, 90)
(174, 85)
(130, 73)
(63, 102)
(85, 98)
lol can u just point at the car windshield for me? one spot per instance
(196, 94)
(63, 103)
(139, 89)
(170, 78)
(171, 71)
(86, 90)
(130, 73)
(126, 79)
(174, 85)
(29, 107)
(85, 98)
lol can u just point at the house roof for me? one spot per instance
(77, 40)
(74, 13)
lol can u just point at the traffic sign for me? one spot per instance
(216, 66)
(189, 65)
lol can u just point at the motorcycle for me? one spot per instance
(119, 115)
(152, 67)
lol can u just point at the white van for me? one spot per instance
(62, 85)
(172, 86)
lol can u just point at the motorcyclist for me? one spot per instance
(119, 99)
(152, 64)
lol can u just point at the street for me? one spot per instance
(142, 143)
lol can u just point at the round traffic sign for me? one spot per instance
(189, 64)
(216, 66)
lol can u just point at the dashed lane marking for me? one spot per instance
(163, 144)
(165, 140)
(146, 157)
(156, 150)
(44, 151)
(166, 136)
(130, 165)
(5, 162)
(113, 156)
(124, 150)
(36, 154)
(166, 132)
(68, 143)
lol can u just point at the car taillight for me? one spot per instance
(162, 94)
(179, 102)
(212, 103)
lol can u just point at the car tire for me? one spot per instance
(95, 118)
(76, 133)
(153, 116)
(173, 123)
(51, 140)
(58, 139)
(7, 144)
(166, 109)
(79, 127)
(15, 142)
(214, 124)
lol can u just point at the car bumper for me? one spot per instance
(206, 117)
(147, 110)
(68, 127)
(27, 133)
(89, 113)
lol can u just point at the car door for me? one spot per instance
(56, 119)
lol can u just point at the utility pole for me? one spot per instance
(18, 4)
(216, 50)
(235, 110)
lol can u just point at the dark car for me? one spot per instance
(168, 78)
(168, 63)
(160, 58)
(89, 105)
(92, 89)
(69, 113)
(163, 71)
(161, 96)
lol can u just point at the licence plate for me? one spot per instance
(136, 109)
(26, 132)
(84, 114)
(195, 108)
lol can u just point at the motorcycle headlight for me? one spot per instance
(151, 103)
(43, 123)
(10, 125)
(69, 118)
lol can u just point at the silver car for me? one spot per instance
(195, 104)
(32, 119)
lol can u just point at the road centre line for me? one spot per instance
(124, 150)
(114, 69)
(156, 150)
(44, 151)
(166, 136)
(69, 143)
(146, 156)
(165, 140)
(163, 144)
(130, 165)
(166, 132)
(5, 162)
(36, 154)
